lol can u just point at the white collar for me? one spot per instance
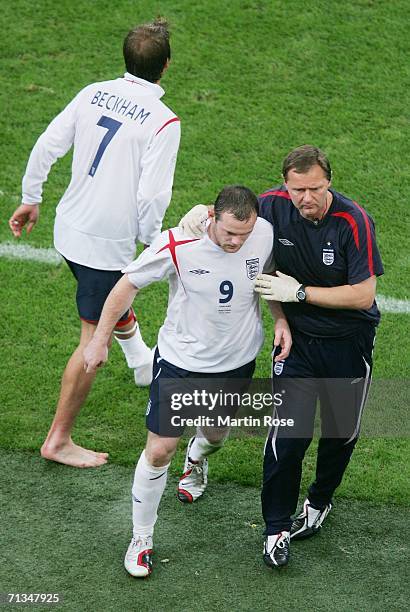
(155, 89)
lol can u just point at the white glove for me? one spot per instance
(281, 288)
(193, 224)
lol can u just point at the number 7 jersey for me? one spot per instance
(125, 148)
(213, 321)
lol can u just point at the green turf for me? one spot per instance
(113, 420)
(70, 533)
(250, 79)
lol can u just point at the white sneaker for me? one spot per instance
(309, 520)
(193, 481)
(143, 372)
(276, 549)
(138, 559)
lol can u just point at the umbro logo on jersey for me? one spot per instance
(199, 271)
(286, 242)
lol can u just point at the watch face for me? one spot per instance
(301, 295)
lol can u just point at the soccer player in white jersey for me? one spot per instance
(125, 148)
(211, 281)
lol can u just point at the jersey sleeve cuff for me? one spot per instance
(29, 201)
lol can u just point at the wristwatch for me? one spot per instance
(301, 293)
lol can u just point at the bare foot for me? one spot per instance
(72, 454)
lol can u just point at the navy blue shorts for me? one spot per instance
(168, 380)
(93, 287)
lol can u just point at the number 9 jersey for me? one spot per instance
(213, 321)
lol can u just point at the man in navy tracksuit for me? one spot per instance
(327, 261)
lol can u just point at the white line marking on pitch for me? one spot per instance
(387, 304)
(24, 251)
(50, 256)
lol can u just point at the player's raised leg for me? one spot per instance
(149, 483)
(75, 386)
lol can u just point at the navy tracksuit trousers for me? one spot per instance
(337, 372)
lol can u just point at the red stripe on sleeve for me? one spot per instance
(368, 238)
(167, 123)
(278, 192)
(352, 222)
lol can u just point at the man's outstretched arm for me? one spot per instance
(118, 302)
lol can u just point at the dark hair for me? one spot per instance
(303, 158)
(146, 50)
(240, 201)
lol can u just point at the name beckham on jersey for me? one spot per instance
(118, 105)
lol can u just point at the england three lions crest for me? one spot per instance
(328, 256)
(252, 268)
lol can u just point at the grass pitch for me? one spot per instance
(250, 80)
(70, 534)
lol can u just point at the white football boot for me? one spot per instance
(138, 559)
(308, 522)
(193, 481)
(276, 549)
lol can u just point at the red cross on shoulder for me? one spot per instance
(172, 245)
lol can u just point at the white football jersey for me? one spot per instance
(213, 322)
(125, 148)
